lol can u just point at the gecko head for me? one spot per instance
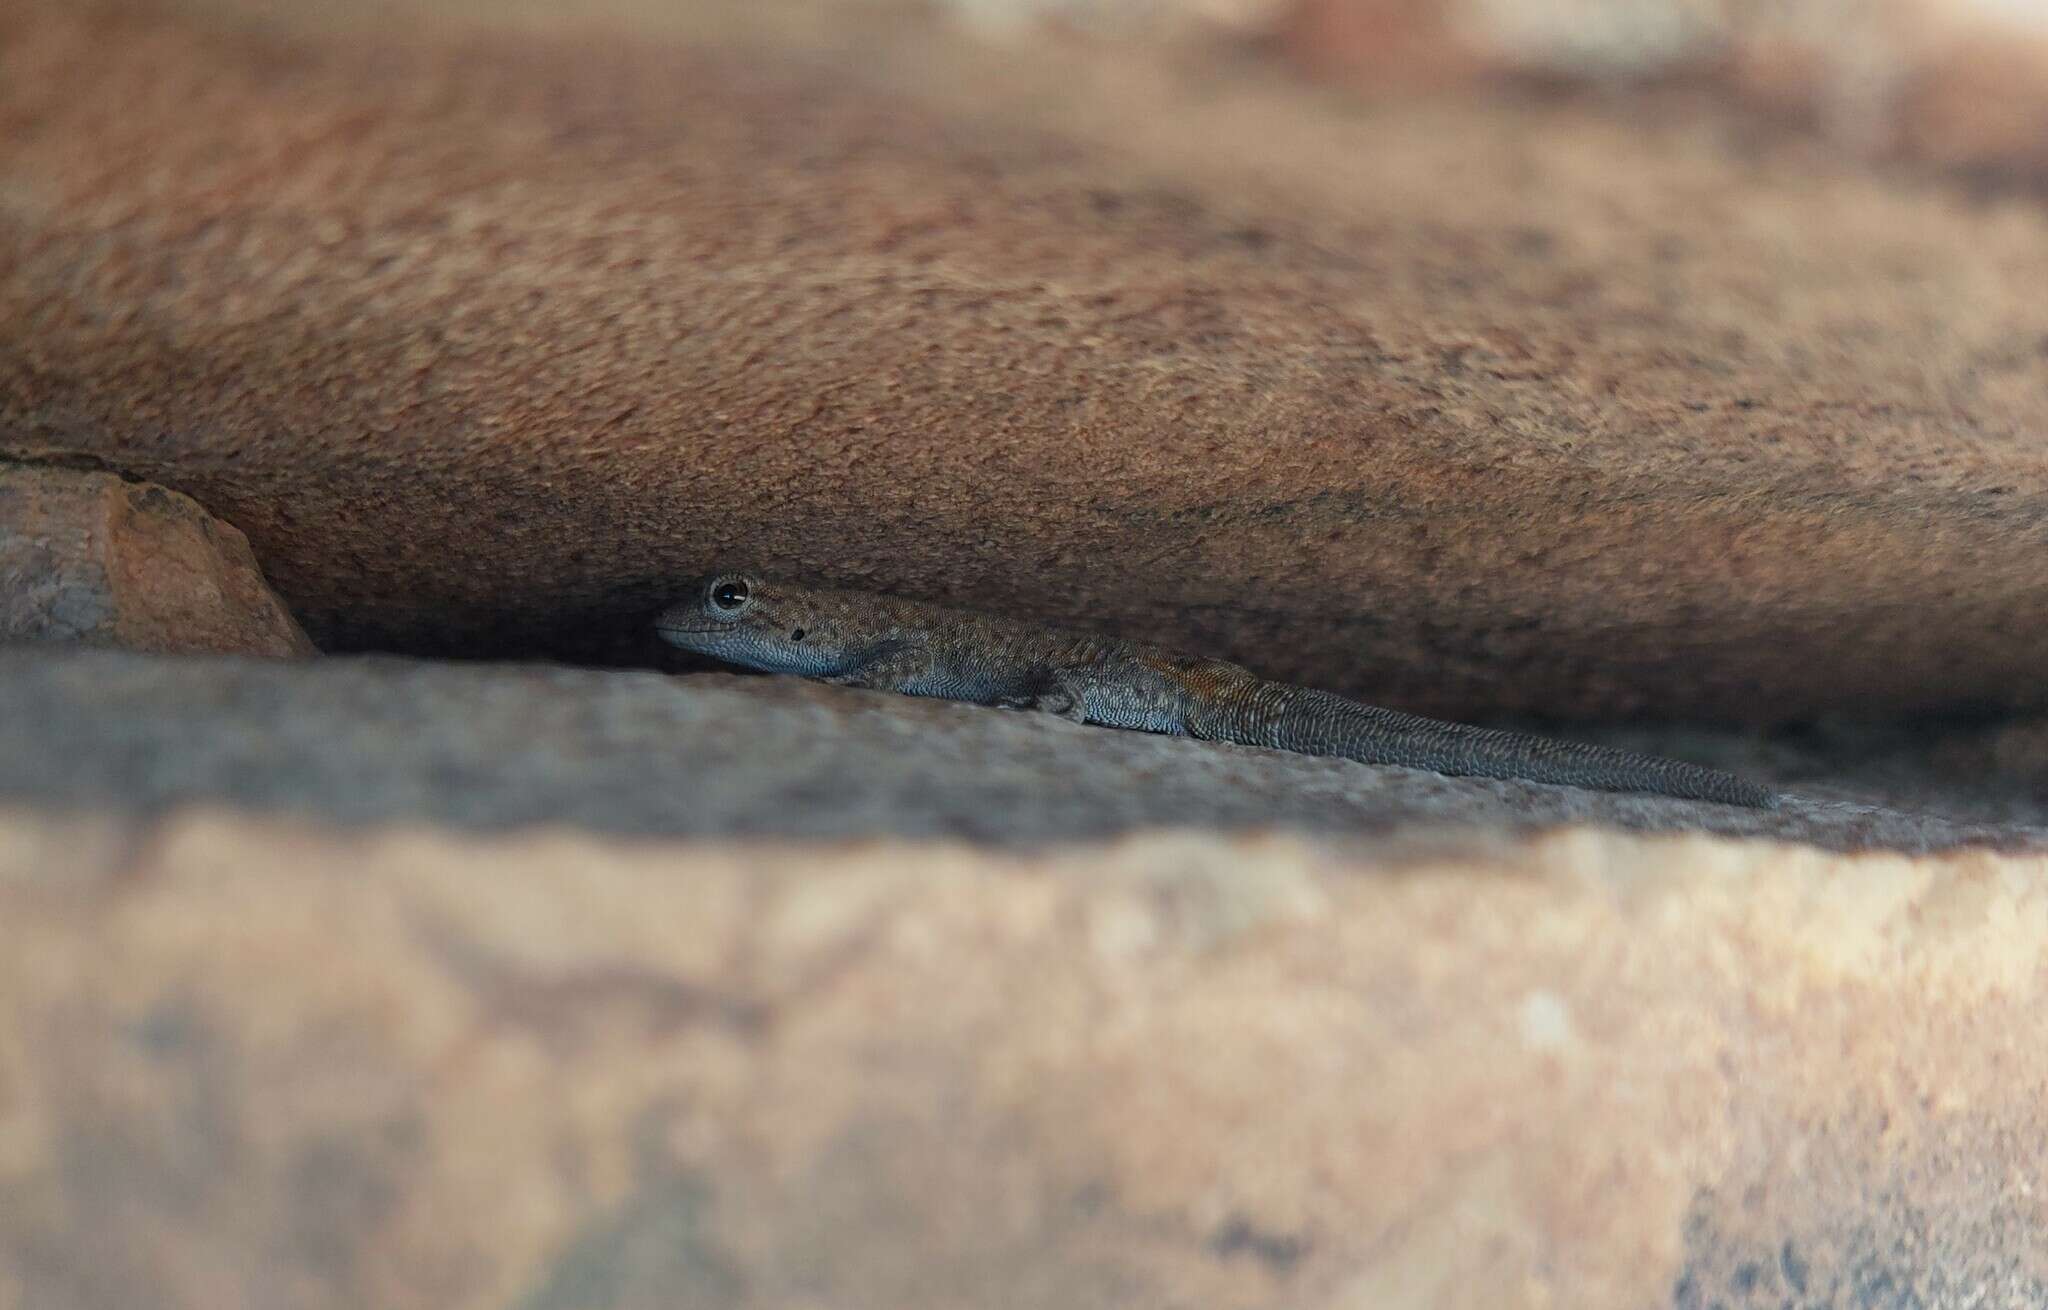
(746, 620)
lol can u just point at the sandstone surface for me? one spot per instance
(1959, 86)
(88, 558)
(487, 327)
(251, 1065)
(376, 981)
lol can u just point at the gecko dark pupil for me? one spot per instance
(729, 595)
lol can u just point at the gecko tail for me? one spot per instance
(1315, 722)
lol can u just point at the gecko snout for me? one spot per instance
(677, 624)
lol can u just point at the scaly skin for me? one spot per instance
(861, 640)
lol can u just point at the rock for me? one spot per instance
(1955, 84)
(488, 331)
(255, 1064)
(384, 982)
(1127, 20)
(376, 741)
(88, 558)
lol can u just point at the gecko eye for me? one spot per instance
(730, 595)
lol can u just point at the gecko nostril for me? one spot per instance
(798, 635)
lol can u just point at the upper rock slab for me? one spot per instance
(486, 338)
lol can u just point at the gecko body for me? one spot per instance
(888, 643)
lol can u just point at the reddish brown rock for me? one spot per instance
(86, 557)
(1961, 85)
(1394, 46)
(487, 334)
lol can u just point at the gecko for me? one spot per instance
(886, 643)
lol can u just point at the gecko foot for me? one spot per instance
(1058, 697)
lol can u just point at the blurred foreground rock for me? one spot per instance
(86, 557)
(248, 1065)
(1957, 85)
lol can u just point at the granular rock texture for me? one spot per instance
(253, 1065)
(488, 331)
(90, 559)
(384, 982)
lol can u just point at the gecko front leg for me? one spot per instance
(893, 666)
(1060, 692)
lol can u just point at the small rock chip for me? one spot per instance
(86, 557)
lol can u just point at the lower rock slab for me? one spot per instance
(257, 1062)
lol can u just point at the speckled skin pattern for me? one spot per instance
(859, 639)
